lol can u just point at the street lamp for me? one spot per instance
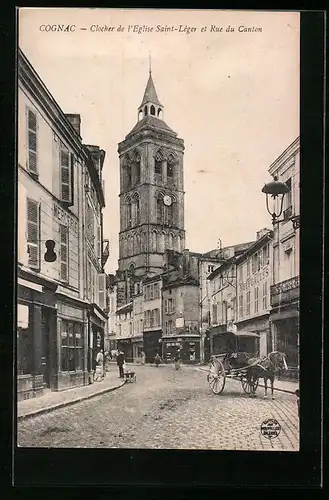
(276, 191)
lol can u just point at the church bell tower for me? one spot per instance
(151, 190)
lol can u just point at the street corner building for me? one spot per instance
(61, 284)
(255, 290)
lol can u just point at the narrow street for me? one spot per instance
(171, 410)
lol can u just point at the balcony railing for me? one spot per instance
(285, 286)
(287, 213)
(285, 291)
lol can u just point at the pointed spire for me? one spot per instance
(150, 63)
(150, 94)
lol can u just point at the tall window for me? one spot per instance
(127, 176)
(159, 210)
(265, 295)
(158, 167)
(170, 241)
(214, 314)
(170, 305)
(170, 168)
(256, 299)
(266, 255)
(32, 163)
(128, 213)
(64, 254)
(248, 268)
(248, 303)
(170, 215)
(241, 306)
(65, 174)
(33, 233)
(287, 200)
(137, 172)
(156, 290)
(137, 211)
(71, 346)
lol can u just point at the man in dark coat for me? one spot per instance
(120, 362)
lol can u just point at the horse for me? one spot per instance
(265, 368)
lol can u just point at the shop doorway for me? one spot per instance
(45, 356)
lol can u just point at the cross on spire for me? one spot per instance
(150, 63)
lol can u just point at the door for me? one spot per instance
(263, 344)
(45, 359)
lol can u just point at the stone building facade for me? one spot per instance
(284, 317)
(54, 305)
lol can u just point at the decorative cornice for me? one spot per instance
(149, 136)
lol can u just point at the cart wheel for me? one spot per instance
(246, 386)
(216, 376)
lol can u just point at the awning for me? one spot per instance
(240, 333)
(245, 333)
(285, 314)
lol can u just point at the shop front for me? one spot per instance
(151, 344)
(138, 348)
(185, 347)
(36, 334)
(126, 346)
(223, 341)
(96, 337)
(71, 369)
(261, 326)
(284, 320)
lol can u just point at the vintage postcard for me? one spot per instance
(158, 229)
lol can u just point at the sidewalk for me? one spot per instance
(54, 400)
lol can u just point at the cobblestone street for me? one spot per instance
(171, 410)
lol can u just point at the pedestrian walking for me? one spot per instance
(157, 360)
(143, 358)
(99, 366)
(120, 363)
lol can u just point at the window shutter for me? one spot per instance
(63, 236)
(32, 141)
(166, 306)
(65, 169)
(173, 304)
(72, 177)
(98, 241)
(101, 290)
(33, 233)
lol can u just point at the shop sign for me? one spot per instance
(255, 279)
(64, 218)
(22, 316)
(179, 322)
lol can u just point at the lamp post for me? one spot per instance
(275, 192)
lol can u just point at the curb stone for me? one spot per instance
(57, 406)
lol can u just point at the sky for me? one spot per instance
(232, 95)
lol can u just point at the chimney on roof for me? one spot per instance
(75, 121)
(261, 233)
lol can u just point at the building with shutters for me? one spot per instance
(61, 254)
(222, 286)
(284, 292)
(254, 278)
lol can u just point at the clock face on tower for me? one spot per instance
(167, 200)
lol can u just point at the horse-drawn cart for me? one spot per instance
(221, 368)
(232, 361)
(246, 367)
